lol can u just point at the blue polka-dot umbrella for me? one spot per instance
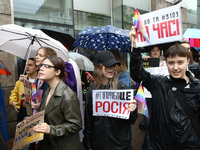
(103, 38)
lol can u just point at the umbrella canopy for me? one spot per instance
(66, 39)
(3, 69)
(24, 42)
(103, 38)
(82, 61)
(192, 33)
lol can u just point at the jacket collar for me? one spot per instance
(59, 89)
(181, 83)
(181, 80)
(53, 102)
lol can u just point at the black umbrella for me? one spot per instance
(66, 39)
(163, 46)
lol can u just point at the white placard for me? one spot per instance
(162, 26)
(112, 103)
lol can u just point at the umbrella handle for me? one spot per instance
(29, 51)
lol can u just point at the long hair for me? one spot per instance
(119, 58)
(59, 64)
(98, 81)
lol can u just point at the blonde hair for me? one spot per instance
(118, 57)
(98, 74)
(48, 52)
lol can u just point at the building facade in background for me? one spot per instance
(72, 16)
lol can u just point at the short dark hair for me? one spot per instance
(59, 65)
(177, 50)
(33, 59)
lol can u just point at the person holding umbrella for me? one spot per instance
(62, 113)
(175, 119)
(41, 86)
(102, 132)
(17, 94)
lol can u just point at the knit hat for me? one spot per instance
(106, 58)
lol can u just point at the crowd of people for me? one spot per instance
(174, 118)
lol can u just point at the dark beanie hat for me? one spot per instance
(106, 58)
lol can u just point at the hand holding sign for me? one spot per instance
(24, 131)
(42, 128)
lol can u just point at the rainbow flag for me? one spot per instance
(142, 105)
(22, 101)
(35, 95)
(139, 25)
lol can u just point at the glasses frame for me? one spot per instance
(47, 66)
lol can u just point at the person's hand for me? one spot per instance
(133, 35)
(133, 105)
(35, 106)
(42, 128)
(22, 77)
(82, 83)
(89, 77)
(146, 57)
(14, 105)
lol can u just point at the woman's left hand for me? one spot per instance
(133, 105)
(42, 128)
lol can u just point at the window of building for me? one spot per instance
(85, 19)
(58, 11)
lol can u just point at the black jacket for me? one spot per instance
(106, 133)
(195, 69)
(169, 127)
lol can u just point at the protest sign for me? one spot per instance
(112, 103)
(162, 26)
(24, 131)
(158, 71)
(163, 71)
(151, 62)
(27, 90)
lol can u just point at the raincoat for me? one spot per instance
(63, 115)
(169, 127)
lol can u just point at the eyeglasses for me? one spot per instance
(47, 66)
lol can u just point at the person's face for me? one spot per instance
(31, 68)
(47, 71)
(177, 66)
(155, 52)
(40, 56)
(186, 45)
(108, 72)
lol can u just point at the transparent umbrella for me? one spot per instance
(82, 61)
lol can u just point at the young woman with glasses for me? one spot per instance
(61, 105)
